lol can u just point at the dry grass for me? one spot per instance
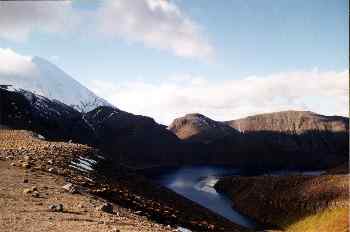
(329, 220)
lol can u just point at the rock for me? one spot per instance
(25, 165)
(13, 164)
(27, 191)
(50, 161)
(106, 207)
(35, 194)
(56, 208)
(33, 190)
(52, 207)
(70, 188)
(50, 169)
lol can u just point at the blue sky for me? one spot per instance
(231, 40)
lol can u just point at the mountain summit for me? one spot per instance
(50, 81)
(197, 127)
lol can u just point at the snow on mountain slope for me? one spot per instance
(44, 78)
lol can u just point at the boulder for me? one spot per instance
(56, 208)
(70, 188)
(106, 207)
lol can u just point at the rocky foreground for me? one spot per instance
(36, 201)
(292, 203)
(58, 186)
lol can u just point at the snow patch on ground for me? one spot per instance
(182, 229)
(83, 164)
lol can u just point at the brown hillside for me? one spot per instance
(285, 201)
(197, 127)
(294, 122)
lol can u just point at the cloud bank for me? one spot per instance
(157, 24)
(13, 63)
(18, 19)
(321, 92)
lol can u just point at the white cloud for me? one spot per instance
(321, 92)
(18, 19)
(156, 23)
(13, 63)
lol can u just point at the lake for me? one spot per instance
(197, 184)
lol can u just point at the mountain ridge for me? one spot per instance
(197, 127)
(292, 121)
(107, 128)
(290, 139)
(289, 121)
(140, 142)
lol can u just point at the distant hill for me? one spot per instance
(197, 127)
(292, 122)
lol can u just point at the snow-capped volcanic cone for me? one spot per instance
(46, 79)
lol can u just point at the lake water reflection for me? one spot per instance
(197, 184)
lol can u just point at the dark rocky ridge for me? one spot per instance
(52, 119)
(139, 140)
(131, 139)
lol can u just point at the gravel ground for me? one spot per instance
(21, 211)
